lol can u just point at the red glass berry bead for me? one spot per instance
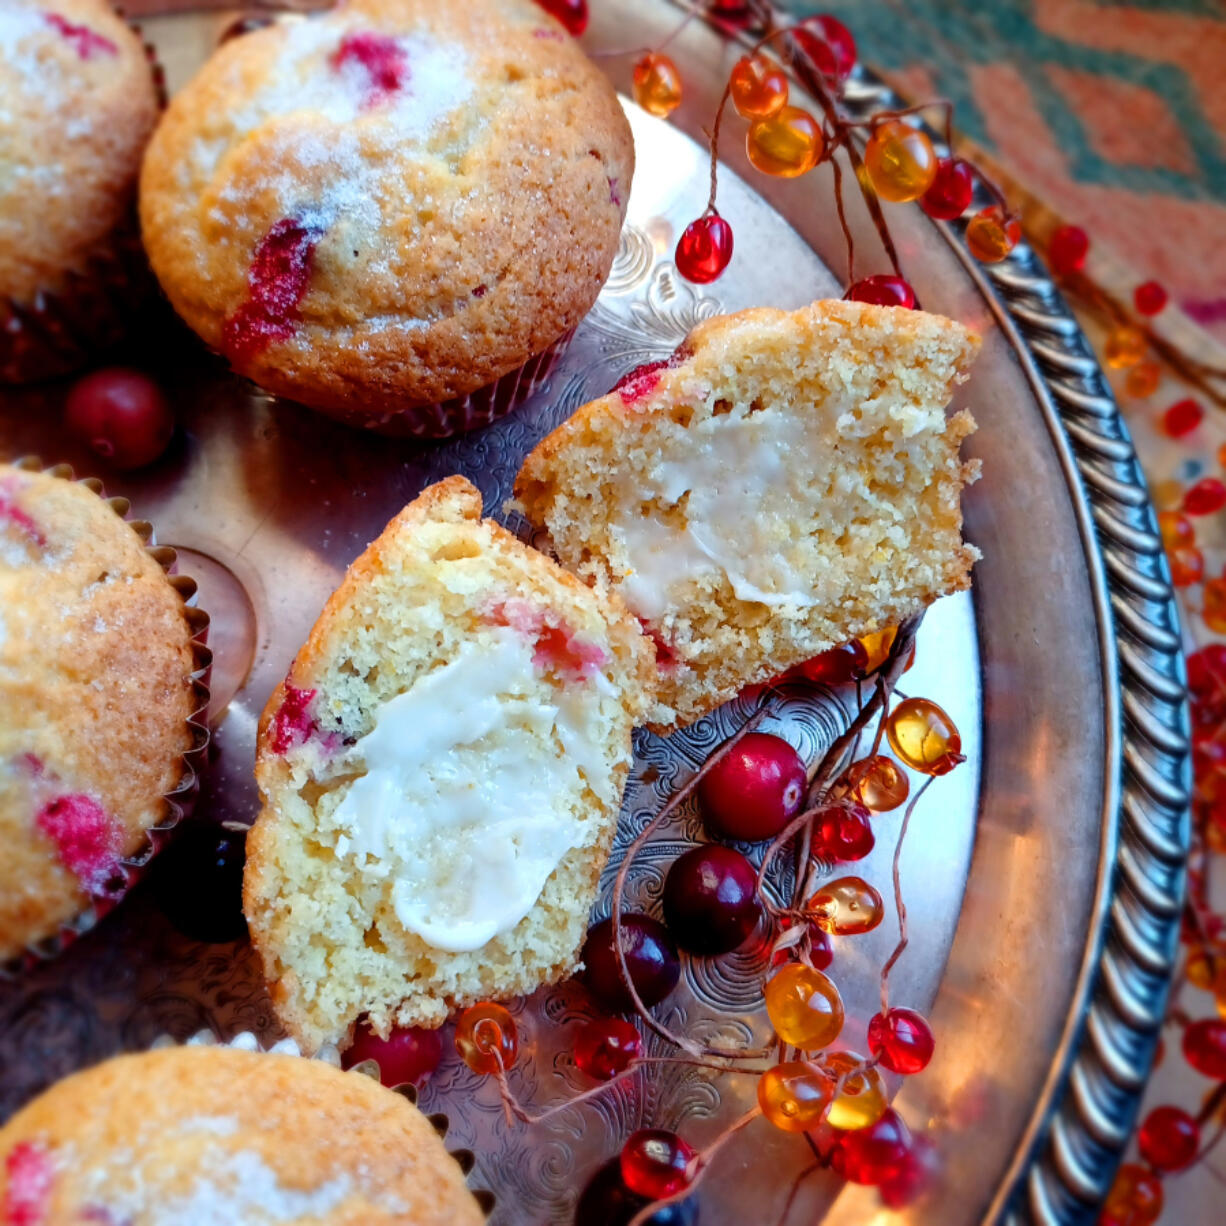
(1125, 346)
(1187, 565)
(408, 1055)
(656, 1163)
(657, 85)
(838, 666)
(1135, 1198)
(758, 86)
(1204, 1047)
(1066, 253)
(872, 1155)
(899, 161)
(1206, 497)
(901, 1040)
(486, 1037)
(847, 907)
(1182, 417)
(788, 144)
(794, 1095)
(821, 948)
(1149, 298)
(651, 959)
(923, 737)
(878, 784)
(704, 249)
(828, 45)
(571, 13)
(991, 234)
(607, 1046)
(843, 833)
(913, 1177)
(754, 790)
(882, 290)
(1207, 670)
(951, 191)
(120, 415)
(1143, 379)
(711, 899)
(804, 1007)
(1168, 1138)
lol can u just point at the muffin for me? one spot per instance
(206, 1135)
(78, 101)
(96, 693)
(783, 483)
(441, 774)
(388, 210)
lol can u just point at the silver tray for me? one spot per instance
(1043, 879)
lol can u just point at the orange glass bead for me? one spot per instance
(657, 85)
(486, 1038)
(861, 1101)
(1176, 529)
(900, 161)
(1207, 972)
(1221, 455)
(758, 86)
(1187, 565)
(1125, 346)
(1135, 1198)
(1213, 607)
(992, 233)
(847, 907)
(878, 784)
(1167, 495)
(923, 737)
(794, 1095)
(877, 647)
(788, 144)
(804, 1007)
(1143, 379)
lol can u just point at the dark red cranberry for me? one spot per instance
(408, 1054)
(754, 790)
(711, 899)
(843, 832)
(121, 415)
(651, 959)
(606, 1201)
(198, 882)
(382, 61)
(571, 13)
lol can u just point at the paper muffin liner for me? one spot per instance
(459, 415)
(181, 800)
(329, 1054)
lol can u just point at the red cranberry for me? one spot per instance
(571, 13)
(901, 1040)
(87, 43)
(87, 840)
(382, 60)
(951, 191)
(754, 790)
(843, 832)
(606, 1201)
(651, 959)
(874, 1154)
(198, 882)
(121, 415)
(882, 290)
(711, 899)
(408, 1054)
(607, 1046)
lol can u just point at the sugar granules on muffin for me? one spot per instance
(785, 482)
(200, 1136)
(96, 690)
(441, 775)
(78, 102)
(391, 204)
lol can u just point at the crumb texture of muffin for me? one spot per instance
(210, 1136)
(785, 482)
(441, 775)
(77, 106)
(392, 203)
(95, 694)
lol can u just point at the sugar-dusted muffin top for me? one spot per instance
(77, 105)
(391, 203)
(95, 694)
(788, 480)
(210, 1136)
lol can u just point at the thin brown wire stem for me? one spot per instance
(795, 1191)
(714, 146)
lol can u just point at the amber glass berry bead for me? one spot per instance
(872, 1155)
(878, 784)
(847, 907)
(1167, 495)
(1176, 529)
(1213, 605)
(804, 1007)
(1168, 1138)
(882, 289)
(656, 1163)
(1187, 565)
(607, 1046)
(571, 13)
(923, 737)
(704, 249)
(949, 196)
(1143, 379)
(992, 233)
(657, 85)
(788, 144)
(1204, 1047)
(861, 1100)
(1206, 497)
(877, 647)
(1067, 250)
(486, 1038)
(1125, 346)
(1149, 298)
(759, 87)
(1135, 1198)
(1182, 417)
(899, 161)
(794, 1095)
(901, 1040)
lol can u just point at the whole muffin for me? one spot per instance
(96, 691)
(206, 1135)
(78, 102)
(389, 205)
